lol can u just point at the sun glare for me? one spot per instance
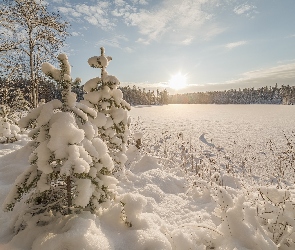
(177, 81)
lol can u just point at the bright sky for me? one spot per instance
(215, 44)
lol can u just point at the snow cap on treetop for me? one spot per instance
(101, 61)
(64, 59)
(55, 73)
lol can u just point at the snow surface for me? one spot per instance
(223, 124)
(160, 205)
(239, 129)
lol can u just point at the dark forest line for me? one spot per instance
(11, 92)
(264, 95)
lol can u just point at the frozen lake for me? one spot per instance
(222, 125)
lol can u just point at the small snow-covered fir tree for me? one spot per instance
(19, 103)
(112, 120)
(70, 168)
(8, 129)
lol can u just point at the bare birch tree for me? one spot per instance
(30, 32)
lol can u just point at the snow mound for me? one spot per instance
(146, 163)
(13, 164)
(83, 232)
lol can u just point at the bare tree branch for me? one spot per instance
(30, 31)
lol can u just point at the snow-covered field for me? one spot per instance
(206, 177)
(223, 124)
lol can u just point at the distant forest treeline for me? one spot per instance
(9, 91)
(48, 90)
(264, 95)
(138, 96)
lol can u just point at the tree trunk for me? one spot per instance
(34, 93)
(69, 195)
(32, 73)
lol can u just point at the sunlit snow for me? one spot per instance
(164, 200)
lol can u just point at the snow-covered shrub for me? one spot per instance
(70, 168)
(8, 129)
(138, 139)
(112, 120)
(239, 223)
(276, 211)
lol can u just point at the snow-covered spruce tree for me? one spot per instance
(19, 103)
(112, 120)
(8, 129)
(70, 168)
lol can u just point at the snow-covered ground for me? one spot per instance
(223, 124)
(207, 177)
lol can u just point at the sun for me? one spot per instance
(178, 81)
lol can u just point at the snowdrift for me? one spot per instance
(156, 207)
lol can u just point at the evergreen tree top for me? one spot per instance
(101, 61)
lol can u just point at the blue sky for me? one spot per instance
(217, 44)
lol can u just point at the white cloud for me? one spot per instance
(123, 10)
(212, 31)
(187, 41)
(242, 9)
(119, 2)
(282, 71)
(74, 33)
(143, 41)
(281, 74)
(286, 61)
(180, 22)
(97, 14)
(173, 19)
(142, 2)
(235, 44)
(256, 79)
(151, 27)
(245, 9)
(290, 36)
(43, 2)
(128, 49)
(69, 11)
(113, 42)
